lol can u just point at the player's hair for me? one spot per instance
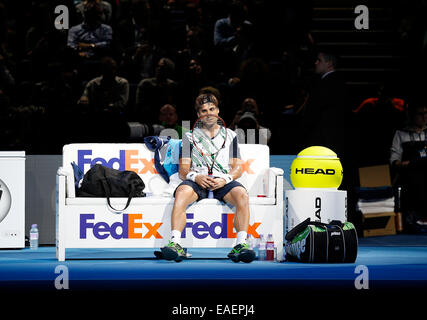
(205, 98)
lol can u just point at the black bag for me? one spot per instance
(101, 181)
(316, 242)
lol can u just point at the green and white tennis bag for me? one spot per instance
(312, 241)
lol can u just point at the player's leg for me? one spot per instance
(238, 197)
(184, 196)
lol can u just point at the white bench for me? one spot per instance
(89, 223)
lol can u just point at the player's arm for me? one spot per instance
(235, 160)
(185, 173)
(234, 173)
(235, 163)
(184, 167)
(236, 168)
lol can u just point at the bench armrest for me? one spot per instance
(270, 181)
(276, 171)
(69, 181)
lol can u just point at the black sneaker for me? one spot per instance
(173, 251)
(241, 252)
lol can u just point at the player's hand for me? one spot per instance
(219, 183)
(205, 181)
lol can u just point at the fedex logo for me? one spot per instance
(126, 229)
(217, 229)
(132, 227)
(246, 166)
(127, 160)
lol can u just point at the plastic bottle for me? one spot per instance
(398, 218)
(261, 248)
(250, 241)
(270, 248)
(255, 245)
(34, 237)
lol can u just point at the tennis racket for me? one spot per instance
(209, 135)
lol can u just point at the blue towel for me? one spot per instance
(78, 174)
(171, 162)
(374, 193)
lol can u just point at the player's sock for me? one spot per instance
(176, 236)
(241, 237)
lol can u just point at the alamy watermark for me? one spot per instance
(62, 279)
(362, 280)
(362, 20)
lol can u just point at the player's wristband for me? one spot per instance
(227, 177)
(192, 176)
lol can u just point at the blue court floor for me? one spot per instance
(391, 265)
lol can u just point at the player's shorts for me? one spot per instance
(218, 193)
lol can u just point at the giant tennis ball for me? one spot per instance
(316, 167)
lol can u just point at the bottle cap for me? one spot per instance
(34, 225)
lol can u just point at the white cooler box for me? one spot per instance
(322, 205)
(12, 199)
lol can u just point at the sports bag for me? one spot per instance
(315, 242)
(101, 181)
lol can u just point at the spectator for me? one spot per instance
(323, 116)
(106, 10)
(409, 162)
(194, 79)
(194, 49)
(104, 102)
(379, 117)
(139, 63)
(168, 118)
(107, 93)
(228, 30)
(134, 26)
(248, 118)
(152, 93)
(91, 37)
(232, 37)
(253, 79)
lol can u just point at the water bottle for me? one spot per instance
(270, 248)
(261, 248)
(34, 237)
(250, 242)
(398, 218)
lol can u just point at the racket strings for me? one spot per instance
(208, 147)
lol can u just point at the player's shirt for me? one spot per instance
(221, 164)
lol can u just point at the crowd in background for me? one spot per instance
(124, 69)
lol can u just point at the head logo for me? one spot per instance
(5, 200)
(317, 171)
(127, 160)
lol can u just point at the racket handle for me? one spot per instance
(210, 193)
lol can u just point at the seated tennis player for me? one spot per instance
(209, 165)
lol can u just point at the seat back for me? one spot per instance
(136, 157)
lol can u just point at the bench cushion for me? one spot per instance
(154, 200)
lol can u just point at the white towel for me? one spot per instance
(381, 203)
(376, 210)
(174, 181)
